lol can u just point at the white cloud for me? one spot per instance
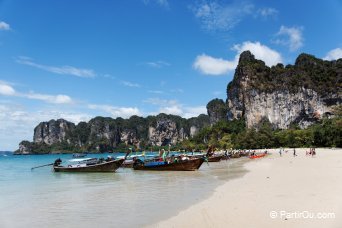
(157, 64)
(8, 90)
(161, 102)
(334, 54)
(156, 91)
(216, 17)
(57, 99)
(109, 76)
(217, 66)
(213, 66)
(124, 112)
(162, 3)
(291, 37)
(260, 51)
(268, 12)
(194, 111)
(17, 123)
(175, 108)
(64, 70)
(130, 84)
(166, 106)
(177, 90)
(4, 26)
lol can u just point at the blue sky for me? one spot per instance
(80, 59)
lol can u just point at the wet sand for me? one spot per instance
(287, 191)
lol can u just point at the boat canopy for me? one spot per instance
(81, 159)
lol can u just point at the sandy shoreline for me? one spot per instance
(291, 189)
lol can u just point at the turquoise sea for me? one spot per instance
(126, 198)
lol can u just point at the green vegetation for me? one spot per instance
(309, 72)
(217, 110)
(233, 134)
(223, 135)
(103, 134)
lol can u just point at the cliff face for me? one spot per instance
(165, 133)
(105, 134)
(53, 131)
(217, 110)
(299, 94)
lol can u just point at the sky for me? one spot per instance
(116, 58)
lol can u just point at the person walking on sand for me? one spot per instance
(294, 152)
(280, 152)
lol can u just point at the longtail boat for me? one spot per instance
(128, 163)
(236, 155)
(257, 156)
(79, 155)
(215, 158)
(89, 165)
(186, 164)
(212, 157)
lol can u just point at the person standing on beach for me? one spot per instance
(294, 152)
(280, 152)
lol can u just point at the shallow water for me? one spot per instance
(127, 198)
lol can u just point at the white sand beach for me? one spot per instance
(277, 191)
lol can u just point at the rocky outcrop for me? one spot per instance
(217, 110)
(24, 148)
(129, 137)
(103, 129)
(299, 94)
(52, 132)
(105, 134)
(165, 133)
(282, 108)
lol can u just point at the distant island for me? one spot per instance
(293, 106)
(6, 153)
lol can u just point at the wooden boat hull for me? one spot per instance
(215, 158)
(127, 164)
(110, 166)
(237, 155)
(185, 165)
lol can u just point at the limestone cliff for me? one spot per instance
(53, 131)
(106, 134)
(298, 94)
(217, 110)
(165, 133)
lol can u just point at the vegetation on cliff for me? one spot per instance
(324, 77)
(105, 134)
(234, 134)
(309, 72)
(290, 96)
(301, 93)
(217, 110)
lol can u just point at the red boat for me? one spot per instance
(257, 156)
